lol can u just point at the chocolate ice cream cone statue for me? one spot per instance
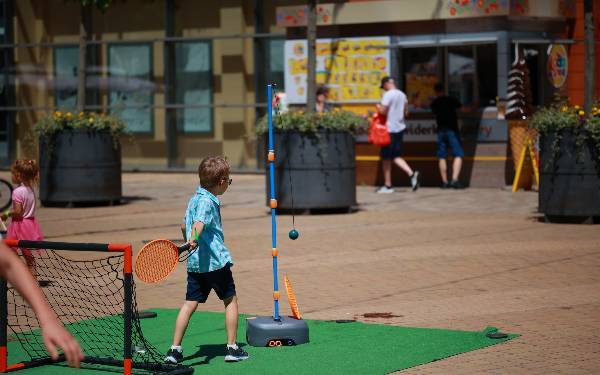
(519, 107)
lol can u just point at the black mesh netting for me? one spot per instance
(88, 297)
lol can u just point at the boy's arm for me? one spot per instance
(53, 332)
(197, 228)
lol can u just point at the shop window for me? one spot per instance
(193, 85)
(487, 72)
(131, 87)
(275, 73)
(421, 71)
(461, 74)
(66, 62)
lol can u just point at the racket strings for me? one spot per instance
(156, 260)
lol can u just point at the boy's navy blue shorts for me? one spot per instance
(199, 285)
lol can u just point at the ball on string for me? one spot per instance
(294, 234)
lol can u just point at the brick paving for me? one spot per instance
(434, 258)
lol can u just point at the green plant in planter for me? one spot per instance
(560, 117)
(304, 122)
(593, 128)
(53, 123)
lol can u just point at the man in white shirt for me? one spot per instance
(394, 105)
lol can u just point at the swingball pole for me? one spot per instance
(273, 204)
(276, 330)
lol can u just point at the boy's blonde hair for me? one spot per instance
(213, 170)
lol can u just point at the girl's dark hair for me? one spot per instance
(27, 171)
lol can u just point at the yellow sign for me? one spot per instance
(420, 90)
(351, 68)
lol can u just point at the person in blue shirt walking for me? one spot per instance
(209, 266)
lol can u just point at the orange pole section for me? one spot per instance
(16, 366)
(127, 366)
(3, 359)
(12, 243)
(128, 253)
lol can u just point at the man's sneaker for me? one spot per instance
(445, 185)
(455, 184)
(385, 190)
(235, 355)
(174, 356)
(414, 180)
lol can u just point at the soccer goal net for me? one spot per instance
(91, 289)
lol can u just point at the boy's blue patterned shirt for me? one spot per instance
(212, 254)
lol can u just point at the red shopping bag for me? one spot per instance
(378, 131)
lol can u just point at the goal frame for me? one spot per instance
(127, 362)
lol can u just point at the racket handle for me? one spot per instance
(183, 248)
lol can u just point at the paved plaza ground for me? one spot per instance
(435, 258)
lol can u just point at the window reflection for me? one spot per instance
(420, 75)
(131, 84)
(193, 77)
(461, 74)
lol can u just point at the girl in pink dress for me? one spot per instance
(23, 225)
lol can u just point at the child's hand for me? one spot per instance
(55, 335)
(193, 244)
(5, 215)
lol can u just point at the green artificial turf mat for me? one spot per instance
(334, 348)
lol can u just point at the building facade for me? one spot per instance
(185, 75)
(188, 77)
(469, 47)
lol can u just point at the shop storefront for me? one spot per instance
(468, 46)
(188, 77)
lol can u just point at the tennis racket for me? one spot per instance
(292, 298)
(157, 259)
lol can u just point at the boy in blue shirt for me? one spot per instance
(209, 266)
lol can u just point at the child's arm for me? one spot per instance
(17, 211)
(197, 228)
(53, 332)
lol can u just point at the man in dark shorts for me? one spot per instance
(444, 107)
(394, 105)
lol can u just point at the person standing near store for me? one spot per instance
(321, 104)
(444, 107)
(394, 105)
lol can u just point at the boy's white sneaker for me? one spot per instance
(236, 355)
(174, 356)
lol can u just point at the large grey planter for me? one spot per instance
(570, 182)
(80, 166)
(322, 170)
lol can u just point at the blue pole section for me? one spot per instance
(273, 209)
